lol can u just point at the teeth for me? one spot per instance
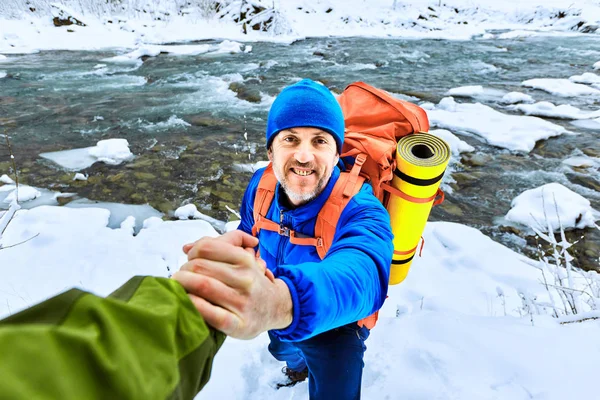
(302, 173)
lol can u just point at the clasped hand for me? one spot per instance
(232, 288)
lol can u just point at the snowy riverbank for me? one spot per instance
(30, 26)
(472, 320)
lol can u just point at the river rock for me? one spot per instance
(8, 122)
(117, 177)
(585, 181)
(510, 229)
(464, 179)
(514, 162)
(145, 176)
(93, 179)
(592, 151)
(223, 194)
(138, 198)
(451, 208)
(63, 18)
(558, 148)
(141, 163)
(476, 159)
(586, 248)
(65, 198)
(6, 100)
(242, 92)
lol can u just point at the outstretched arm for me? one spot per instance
(350, 283)
(144, 341)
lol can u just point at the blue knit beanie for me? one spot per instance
(306, 104)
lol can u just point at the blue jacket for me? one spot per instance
(350, 283)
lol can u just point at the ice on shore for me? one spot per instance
(109, 151)
(561, 87)
(512, 132)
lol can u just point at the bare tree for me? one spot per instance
(7, 217)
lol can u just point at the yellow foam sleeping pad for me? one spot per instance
(421, 160)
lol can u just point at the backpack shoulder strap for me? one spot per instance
(348, 184)
(265, 193)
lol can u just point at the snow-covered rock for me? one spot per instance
(80, 177)
(586, 78)
(190, 211)
(551, 205)
(561, 87)
(112, 151)
(547, 109)
(6, 179)
(23, 194)
(516, 97)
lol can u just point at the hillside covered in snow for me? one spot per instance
(26, 25)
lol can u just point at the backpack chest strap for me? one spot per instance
(295, 238)
(348, 184)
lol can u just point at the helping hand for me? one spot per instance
(232, 288)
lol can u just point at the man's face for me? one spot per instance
(303, 160)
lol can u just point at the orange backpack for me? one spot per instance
(375, 121)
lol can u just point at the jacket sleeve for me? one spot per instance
(247, 207)
(144, 341)
(351, 282)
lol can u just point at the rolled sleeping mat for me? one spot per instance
(421, 160)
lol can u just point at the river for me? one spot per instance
(194, 122)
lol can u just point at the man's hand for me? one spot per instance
(232, 288)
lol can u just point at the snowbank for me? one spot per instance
(443, 333)
(130, 24)
(508, 131)
(75, 248)
(551, 205)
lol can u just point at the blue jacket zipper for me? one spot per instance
(282, 240)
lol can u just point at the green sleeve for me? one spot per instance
(144, 341)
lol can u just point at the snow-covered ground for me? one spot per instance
(472, 321)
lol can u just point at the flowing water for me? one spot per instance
(194, 122)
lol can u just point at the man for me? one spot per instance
(309, 306)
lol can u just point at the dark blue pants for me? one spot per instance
(334, 360)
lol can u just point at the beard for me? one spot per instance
(295, 197)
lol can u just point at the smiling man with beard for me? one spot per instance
(312, 307)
